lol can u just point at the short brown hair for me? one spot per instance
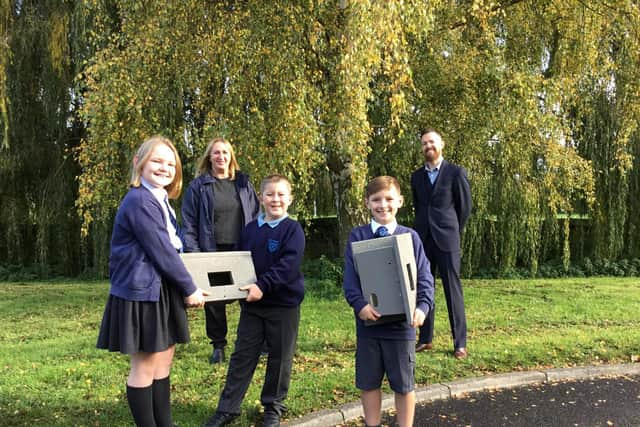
(425, 131)
(380, 183)
(142, 157)
(272, 179)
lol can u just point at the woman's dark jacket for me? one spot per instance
(199, 204)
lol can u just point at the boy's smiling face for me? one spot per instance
(384, 205)
(275, 199)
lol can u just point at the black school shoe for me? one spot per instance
(220, 419)
(271, 419)
(217, 356)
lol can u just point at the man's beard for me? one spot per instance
(431, 156)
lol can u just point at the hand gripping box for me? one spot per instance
(221, 274)
(388, 276)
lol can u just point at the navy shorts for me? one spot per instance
(376, 357)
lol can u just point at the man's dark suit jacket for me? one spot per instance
(443, 209)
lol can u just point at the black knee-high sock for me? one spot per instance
(141, 404)
(162, 402)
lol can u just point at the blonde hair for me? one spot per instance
(274, 179)
(204, 164)
(142, 157)
(380, 183)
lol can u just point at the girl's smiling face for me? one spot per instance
(159, 170)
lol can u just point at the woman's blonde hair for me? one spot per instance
(142, 157)
(204, 164)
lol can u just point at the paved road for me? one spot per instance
(595, 402)
(588, 396)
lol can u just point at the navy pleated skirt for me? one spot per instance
(143, 326)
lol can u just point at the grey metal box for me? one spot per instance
(388, 276)
(221, 273)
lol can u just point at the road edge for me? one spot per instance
(442, 391)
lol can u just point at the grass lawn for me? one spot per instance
(52, 374)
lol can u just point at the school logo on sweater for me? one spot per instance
(273, 245)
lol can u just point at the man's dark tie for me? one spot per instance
(382, 231)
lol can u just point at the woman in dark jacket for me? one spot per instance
(216, 205)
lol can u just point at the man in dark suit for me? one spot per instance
(442, 201)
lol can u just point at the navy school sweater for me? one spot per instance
(277, 256)
(141, 252)
(353, 290)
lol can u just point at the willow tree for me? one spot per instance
(5, 57)
(606, 121)
(38, 61)
(336, 91)
(362, 64)
(513, 85)
(504, 82)
(289, 83)
(632, 232)
(133, 89)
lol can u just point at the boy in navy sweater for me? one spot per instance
(271, 311)
(389, 347)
